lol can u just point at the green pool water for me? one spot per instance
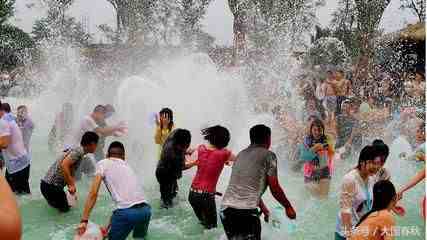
(315, 218)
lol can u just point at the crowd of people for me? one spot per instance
(336, 126)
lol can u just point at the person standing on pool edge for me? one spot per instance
(254, 169)
(164, 126)
(172, 162)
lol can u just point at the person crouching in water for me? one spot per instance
(211, 160)
(172, 162)
(62, 172)
(317, 152)
(132, 212)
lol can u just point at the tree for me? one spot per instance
(57, 26)
(328, 51)
(6, 10)
(14, 43)
(418, 7)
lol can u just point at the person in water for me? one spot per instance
(132, 212)
(62, 172)
(254, 169)
(164, 126)
(8, 116)
(317, 152)
(356, 192)
(90, 123)
(62, 129)
(348, 135)
(211, 160)
(109, 111)
(378, 223)
(171, 164)
(26, 125)
(16, 157)
(384, 151)
(420, 141)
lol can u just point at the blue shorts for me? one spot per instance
(135, 218)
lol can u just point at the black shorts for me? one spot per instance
(55, 196)
(318, 174)
(18, 181)
(204, 207)
(241, 224)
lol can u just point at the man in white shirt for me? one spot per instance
(89, 124)
(132, 211)
(16, 158)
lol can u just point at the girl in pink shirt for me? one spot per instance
(211, 160)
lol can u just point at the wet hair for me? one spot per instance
(260, 134)
(317, 123)
(381, 148)
(313, 118)
(384, 193)
(368, 153)
(168, 112)
(6, 107)
(218, 136)
(21, 107)
(182, 137)
(100, 109)
(116, 148)
(89, 138)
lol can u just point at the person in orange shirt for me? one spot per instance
(378, 223)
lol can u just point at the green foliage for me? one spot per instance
(328, 51)
(6, 10)
(65, 30)
(14, 45)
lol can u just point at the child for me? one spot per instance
(211, 160)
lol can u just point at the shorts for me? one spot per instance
(331, 103)
(55, 196)
(317, 175)
(136, 219)
(204, 207)
(241, 224)
(18, 181)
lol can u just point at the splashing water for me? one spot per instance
(200, 95)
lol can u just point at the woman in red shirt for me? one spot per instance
(211, 160)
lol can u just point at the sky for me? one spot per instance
(218, 21)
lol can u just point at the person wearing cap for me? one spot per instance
(16, 157)
(90, 123)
